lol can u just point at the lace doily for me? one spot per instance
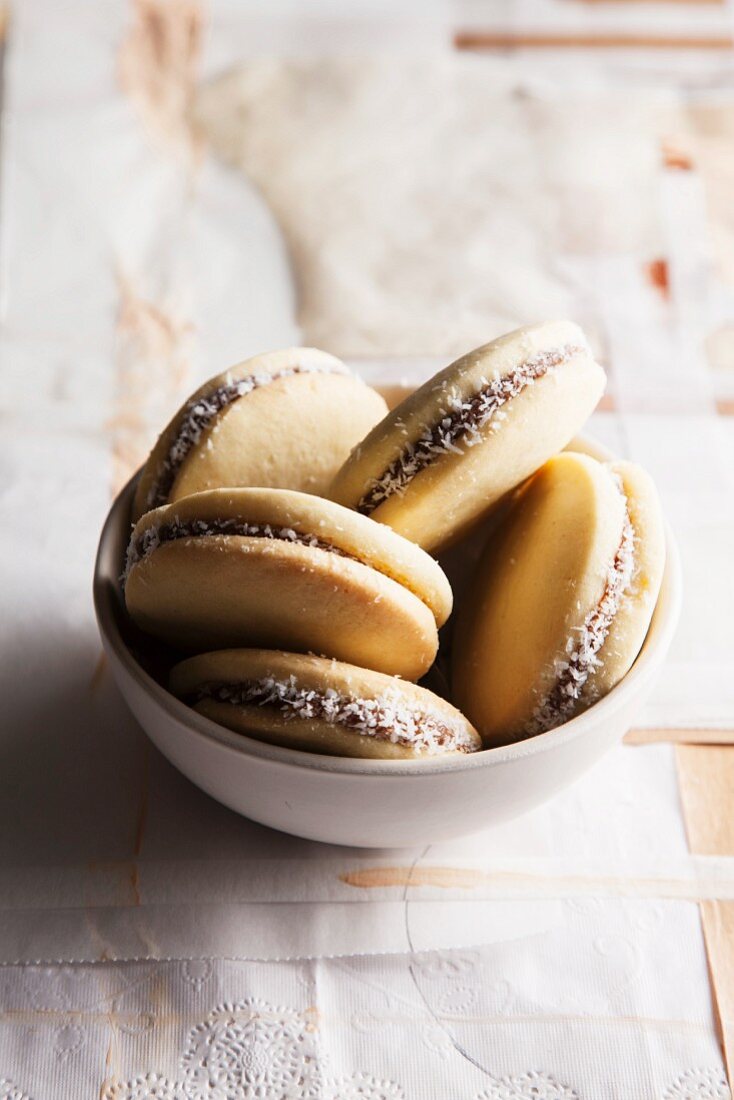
(251, 1050)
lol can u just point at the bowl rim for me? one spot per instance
(654, 649)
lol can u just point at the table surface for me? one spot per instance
(154, 944)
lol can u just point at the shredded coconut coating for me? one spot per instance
(199, 415)
(388, 718)
(582, 651)
(460, 425)
(153, 537)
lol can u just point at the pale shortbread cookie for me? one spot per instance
(285, 419)
(321, 706)
(280, 569)
(446, 455)
(562, 600)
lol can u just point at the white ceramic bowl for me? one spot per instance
(369, 803)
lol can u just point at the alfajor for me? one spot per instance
(562, 600)
(287, 419)
(280, 569)
(443, 458)
(321, 706)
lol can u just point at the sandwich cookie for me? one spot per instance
(287, 419)
(321, 706)
(285, 570)
(442, 459)
(562, 600)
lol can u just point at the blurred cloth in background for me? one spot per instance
(430, 201)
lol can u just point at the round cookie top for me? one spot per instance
(440, 460)
(304, 411)
(286, 516)
(562, 599)
(321, 705)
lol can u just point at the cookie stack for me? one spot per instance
(286, 530)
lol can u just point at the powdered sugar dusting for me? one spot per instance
(460, 425)
(153, 537)
(389, 718)
(199, 414)
(582, 651)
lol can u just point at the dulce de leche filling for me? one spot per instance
(387, 718)
(460, 424)
(199, 415)
(144, 545)
(583, 648)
